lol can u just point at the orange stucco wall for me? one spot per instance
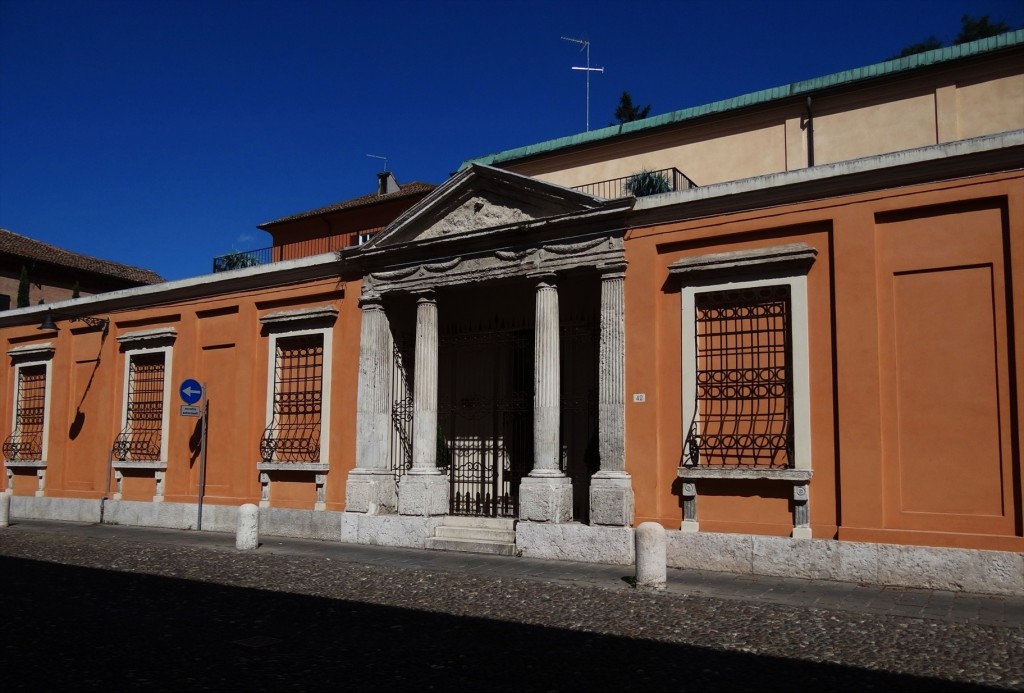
(220, 343)
(915, 395)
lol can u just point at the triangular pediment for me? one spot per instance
(482, 199)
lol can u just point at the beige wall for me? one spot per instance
(874, 117)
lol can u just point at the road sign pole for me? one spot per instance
(202, 456)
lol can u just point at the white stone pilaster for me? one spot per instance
(370, 487)
(424, 489)
(611, 489)
(545, 495)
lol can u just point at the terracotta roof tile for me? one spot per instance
(406, 190)
(30, 249)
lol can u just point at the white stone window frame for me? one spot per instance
(799, 368)
(29, 357)
(148, 342)
(301, 323)
(786, 265)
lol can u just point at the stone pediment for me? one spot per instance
(482, 199)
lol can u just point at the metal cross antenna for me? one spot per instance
(377, 156)
(588, 69)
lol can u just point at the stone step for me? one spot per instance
(482, 533)
(482, 522)
(499, 548)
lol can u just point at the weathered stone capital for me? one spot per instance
(615, 270)
(425, 296)
(371, 300)
(544, 278)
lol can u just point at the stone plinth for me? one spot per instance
(371, 491)
(611, 499)
(423, 494)
(545, 499)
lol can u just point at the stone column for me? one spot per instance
(370, 487)
(611, 490)
(546, 494)
(424, 489)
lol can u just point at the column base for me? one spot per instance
(370, 491)
(611, 499)
(545, 499)
(802, 533)
(423, 494)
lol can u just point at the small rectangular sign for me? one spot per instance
(639, 397)
(187, 410)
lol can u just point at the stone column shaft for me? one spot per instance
(547, 382)
(545, 494)
(370, 487)
(424, 489)
(373, 408)
(424, 396)
(612, 374)
(611, 490)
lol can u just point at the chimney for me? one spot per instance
(386, 183)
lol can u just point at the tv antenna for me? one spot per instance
(585, 46)
(376, 156)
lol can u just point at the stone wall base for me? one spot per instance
(410, 531)
(571, 541)
(967, 570)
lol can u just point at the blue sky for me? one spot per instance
(160, 133)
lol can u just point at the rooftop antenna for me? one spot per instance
(375, 156)
(585, 46)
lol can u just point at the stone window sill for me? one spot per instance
(691, 473)
(293, 466)
(25, 463)
(139, 464)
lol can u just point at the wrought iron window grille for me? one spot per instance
(141, 437)
(743, 409)
(293, 434)
(26, 440)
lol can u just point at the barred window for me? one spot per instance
(26, 440)
(293, 434)
(141, 437)
(743, 413)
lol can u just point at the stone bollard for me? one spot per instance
(5, 509)
(248, 535)
(651, 558)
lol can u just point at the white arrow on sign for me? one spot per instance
(190, 391)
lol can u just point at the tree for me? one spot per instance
(972, 29)
(627, 112)
(23, 288)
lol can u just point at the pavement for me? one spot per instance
(981, 609)
(713, 631)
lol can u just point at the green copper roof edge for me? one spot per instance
(894, 66)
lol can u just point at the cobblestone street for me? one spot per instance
(91, 607)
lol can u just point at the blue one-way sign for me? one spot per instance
(191, 391)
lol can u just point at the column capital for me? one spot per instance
(425, 296)
(616, 270)
(371, 300)
(544, 277)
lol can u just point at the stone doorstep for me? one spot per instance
(481, 522)
(499, 548)
(493, 535)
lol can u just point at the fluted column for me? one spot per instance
(611, 492)
(545, 495)
(424, 489)
(370, 487)
(424, 394)
(546, 381)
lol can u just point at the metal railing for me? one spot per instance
(243, 258)
(639, 184)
